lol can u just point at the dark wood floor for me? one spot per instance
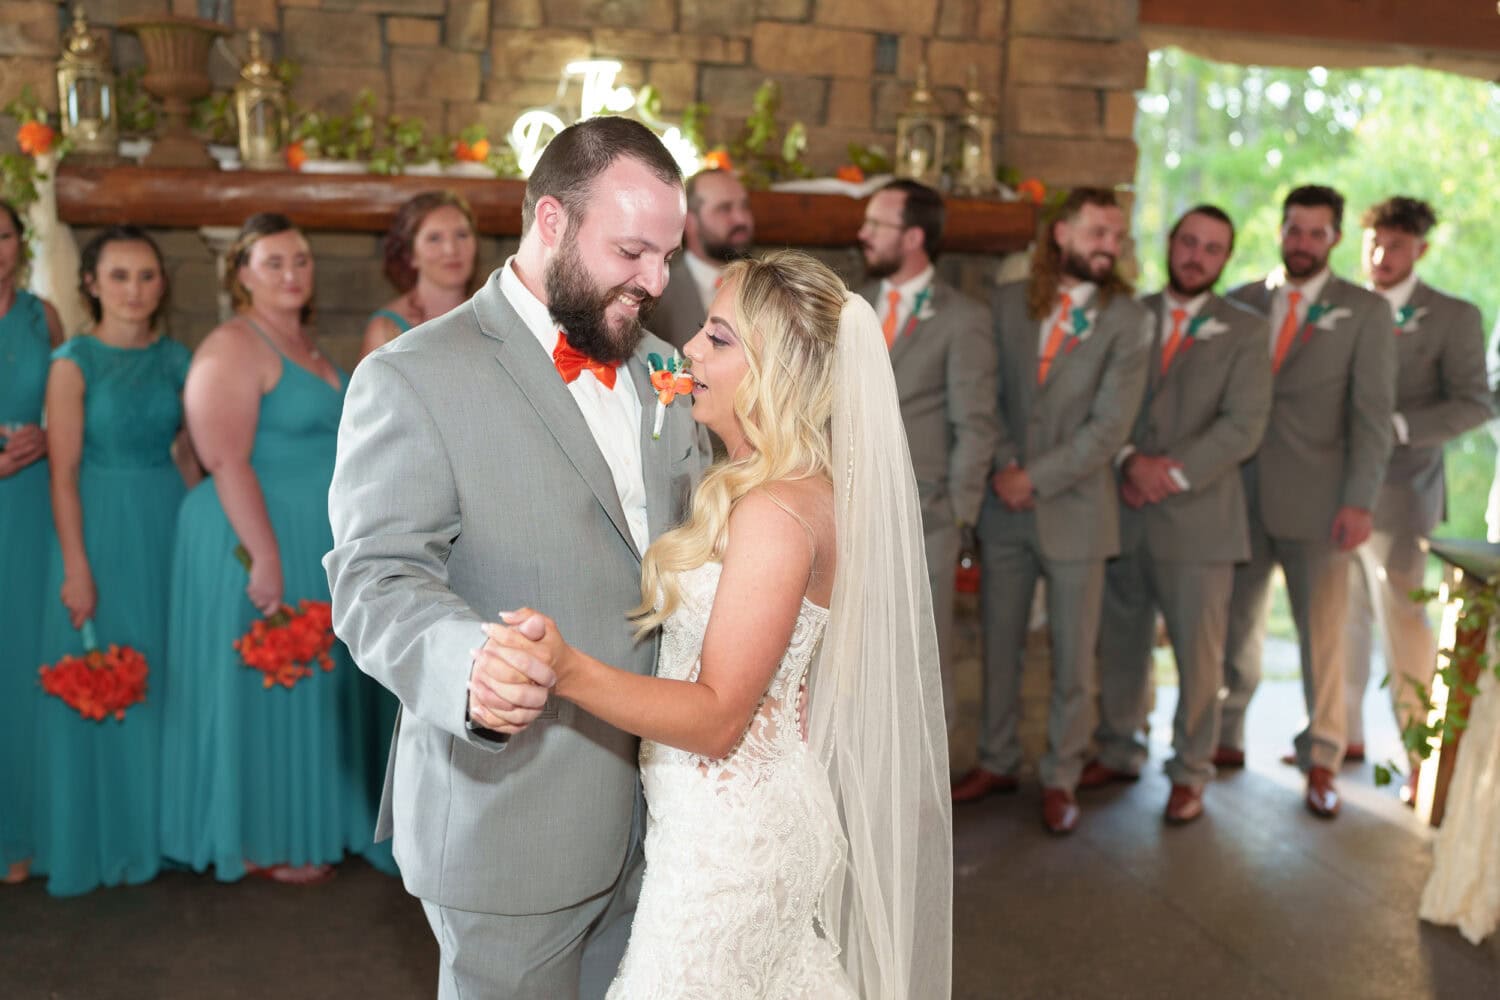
(1257, 899)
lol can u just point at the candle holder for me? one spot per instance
(260, 107)
(177, 72)
(86, 94)
(976, 143)
(920, 132)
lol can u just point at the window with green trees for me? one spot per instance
(1243, 136)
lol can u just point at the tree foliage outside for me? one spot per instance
(1241, 137)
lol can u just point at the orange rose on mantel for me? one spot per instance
(296, 156)
(35, 138)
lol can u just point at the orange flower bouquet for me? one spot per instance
(285, 645)
(96, 684)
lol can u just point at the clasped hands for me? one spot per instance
(23, 446)
(511, 675)
(1148, 479)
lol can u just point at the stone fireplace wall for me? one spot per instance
(1063, 73)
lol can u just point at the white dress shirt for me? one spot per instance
(1280, 288)
(613, 415)
(705, 277)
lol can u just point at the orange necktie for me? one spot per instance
(1174, 339)
(891, 315)
(1054, 340)
(571, 363)
(1288, 331)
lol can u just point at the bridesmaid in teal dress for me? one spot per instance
(429, 257)
(29, 329)
(271, 781)
(114, 423)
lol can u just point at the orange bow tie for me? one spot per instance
(570, 363)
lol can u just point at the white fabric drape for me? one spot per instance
(1464, 887)
(54, 262)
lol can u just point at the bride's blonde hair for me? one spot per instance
(787, 308)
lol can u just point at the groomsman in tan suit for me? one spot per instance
(1072, 345)
(944, 359)
(1441, 392)
(719, 229)
(1312, 485)
(1182, 527)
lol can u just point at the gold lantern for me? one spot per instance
(86, 92)
(260, 107)
(976, 142)
(919, 135)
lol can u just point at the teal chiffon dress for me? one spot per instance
(97, 781)
(25, 530)
(265, 775)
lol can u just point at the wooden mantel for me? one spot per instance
(92, 196)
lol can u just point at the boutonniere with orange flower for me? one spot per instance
(1408, 318)
(1083, 325)
(98, 684)
(284, 646)
(670, 379)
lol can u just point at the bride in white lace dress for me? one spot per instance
(793, 749)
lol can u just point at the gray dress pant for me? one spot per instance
(941, 543)
(569, 954)
(1194, 601)
(1385, 571)
(1317, 583)
(1074, 591)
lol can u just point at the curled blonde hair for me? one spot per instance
(787, 307)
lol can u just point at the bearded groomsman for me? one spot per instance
(945, 365)
(719, 229)
(1441, 392)
(1072, 345)
(1312, 485)
(1183, 527)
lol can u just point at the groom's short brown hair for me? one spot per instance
(583, 151)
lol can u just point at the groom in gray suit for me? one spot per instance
(500, 456)
(1072, 345)
(1441, 392)
(945, 366)
(1312, 485)
(1182, 527)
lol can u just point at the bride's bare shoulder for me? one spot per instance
(787, 508)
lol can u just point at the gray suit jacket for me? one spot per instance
(680, 313)
(946, 378)
(1330, 432)
(1066, 433)
(1208, 413)
(1440, 392)
(468, 483)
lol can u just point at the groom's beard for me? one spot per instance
(581, 309)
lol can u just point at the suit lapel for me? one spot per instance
(523, 359)
(654, 452)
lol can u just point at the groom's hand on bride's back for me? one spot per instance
(506, 694)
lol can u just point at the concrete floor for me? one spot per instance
(1257, 899)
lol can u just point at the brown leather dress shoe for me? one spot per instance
(1059, 810)
(978, 783)
(1096, 775)
(1322, 798)
(1184, 805)
(1229, 757)
(1354, 753)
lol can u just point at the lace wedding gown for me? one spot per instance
(738, 850)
